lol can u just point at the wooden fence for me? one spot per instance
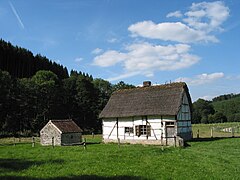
(216, 131)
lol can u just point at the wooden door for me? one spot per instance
(170, 131)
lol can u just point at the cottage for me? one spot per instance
(60, 132)
(148, 115)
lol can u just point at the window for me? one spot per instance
(143, 130)
(169, 123)
(128, 130)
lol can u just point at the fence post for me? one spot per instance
(198, 134)
(84, 144)
(232, 132)
(162, 139)
(33, 142)
(174, 141)
(118, 142)
(14, 141)
(53, 142)
(211, 132)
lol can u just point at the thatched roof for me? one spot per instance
(145, 101)
(67, 126)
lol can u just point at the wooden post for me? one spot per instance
(232, 132)
(14, 141)
(84, 144)
(198, 133)
(118, 142)
(146, 127)
(117, 128)
(174, 141)
(33, 142)
(211, 132)
(53, 142)
(92, 134)
(162, 138)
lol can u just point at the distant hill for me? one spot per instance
(21, 63)
(230, 107)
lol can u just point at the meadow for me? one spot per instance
(204, 158)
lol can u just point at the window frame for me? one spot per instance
(143, 130)
(128, 130)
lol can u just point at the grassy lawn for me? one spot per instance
(207, 159)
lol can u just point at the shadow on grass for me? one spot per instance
(91, 143)
(84, 177)
(207, 139)
(210, 139)
(19, 165)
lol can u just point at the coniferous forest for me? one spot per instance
(34, 90)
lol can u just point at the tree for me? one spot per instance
(201, 110)
(87, 98)
(5, 98)
(105, 90)
(122, 85)
(47, 85)
(218, 117)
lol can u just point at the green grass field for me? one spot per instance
(207, 158)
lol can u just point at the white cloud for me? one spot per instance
(97, 51)
(16, 15)
(202, 78)
(145, 59)
(207, 97)
(112, 40)
(109, 58)
(169, 31)
(196, 26)
(123, 76)
(78, 59)
(207, 16)
(177, 14)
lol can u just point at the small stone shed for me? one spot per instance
(61, 132)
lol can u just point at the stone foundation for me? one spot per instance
(178, 141)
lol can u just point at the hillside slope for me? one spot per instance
(230, 108)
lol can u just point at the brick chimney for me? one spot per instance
(146, 83)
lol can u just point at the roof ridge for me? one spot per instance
(61, 120)
(169, 85)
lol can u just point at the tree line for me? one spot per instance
(27, 104)
(224, 108)
(21, 63)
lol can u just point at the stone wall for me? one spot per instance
(178, 141)
(47, 133)
(71, 138)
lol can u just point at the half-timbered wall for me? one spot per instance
(114, 128)
(184, 125)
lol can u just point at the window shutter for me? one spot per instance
(137, 130)
(149, 130)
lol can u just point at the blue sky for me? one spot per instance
(161, 41)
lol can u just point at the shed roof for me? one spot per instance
(142, 101)
(66, 126)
